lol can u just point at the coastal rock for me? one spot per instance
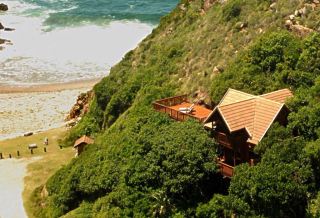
(3, 7)
(81, 107)
(9, 29)
(1, 26)
(28, 134)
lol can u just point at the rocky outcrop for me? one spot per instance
(3, 7)
(1, 26)
(301, 30)
(293, 23)
(80, 108)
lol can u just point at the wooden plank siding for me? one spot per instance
(225, 169)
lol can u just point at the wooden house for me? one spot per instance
(240, 121)
(180, 109)
(80, 144)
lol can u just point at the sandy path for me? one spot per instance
(12, 173)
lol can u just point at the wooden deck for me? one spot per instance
(171, 107)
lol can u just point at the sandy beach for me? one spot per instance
(37, 108)
(12, 176)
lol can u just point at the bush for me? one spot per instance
(231, 10)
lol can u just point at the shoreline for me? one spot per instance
(38, 108)
(51, 87)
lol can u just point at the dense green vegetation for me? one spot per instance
(143, 164)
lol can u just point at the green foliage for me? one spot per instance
(278, 186)
(275, 135)
(314, 207)
(145, 165)
(310, 58)
(265, 63)
(312, 150)
(144, 154)
(231, 10)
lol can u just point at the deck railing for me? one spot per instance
(164, 105)
(173, 100)
(225, 169)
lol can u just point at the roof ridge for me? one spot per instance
(252, 98)
(266, 99)
(254, 118)
(275, 91)
(235, 90)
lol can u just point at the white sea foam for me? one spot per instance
(62, 54)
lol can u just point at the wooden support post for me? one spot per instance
(1, 157)
(18, 153)
(10, 156)
(45, 149)
(31, 150)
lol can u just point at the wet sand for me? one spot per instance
(54, 87)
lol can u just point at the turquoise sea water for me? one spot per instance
(74, 12)
(67, 40)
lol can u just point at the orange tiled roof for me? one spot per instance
(254, 113)
(83, 139)
(278, 96)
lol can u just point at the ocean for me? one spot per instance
(57, 41)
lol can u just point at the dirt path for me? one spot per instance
(12, 173)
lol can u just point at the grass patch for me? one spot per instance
(40, 170)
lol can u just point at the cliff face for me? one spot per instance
(144, 164)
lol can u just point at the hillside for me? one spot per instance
(143, 164)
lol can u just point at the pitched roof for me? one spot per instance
(278, 96)
(253, 113)
(84, 139)
(233, 96)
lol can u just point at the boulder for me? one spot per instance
(28, 134)
(3, 7)
(208, 4)
(8, 29)
(81, 106)
(288, 24)
(273, 6)
(301, 30)
(1, 26)
(291, 17)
